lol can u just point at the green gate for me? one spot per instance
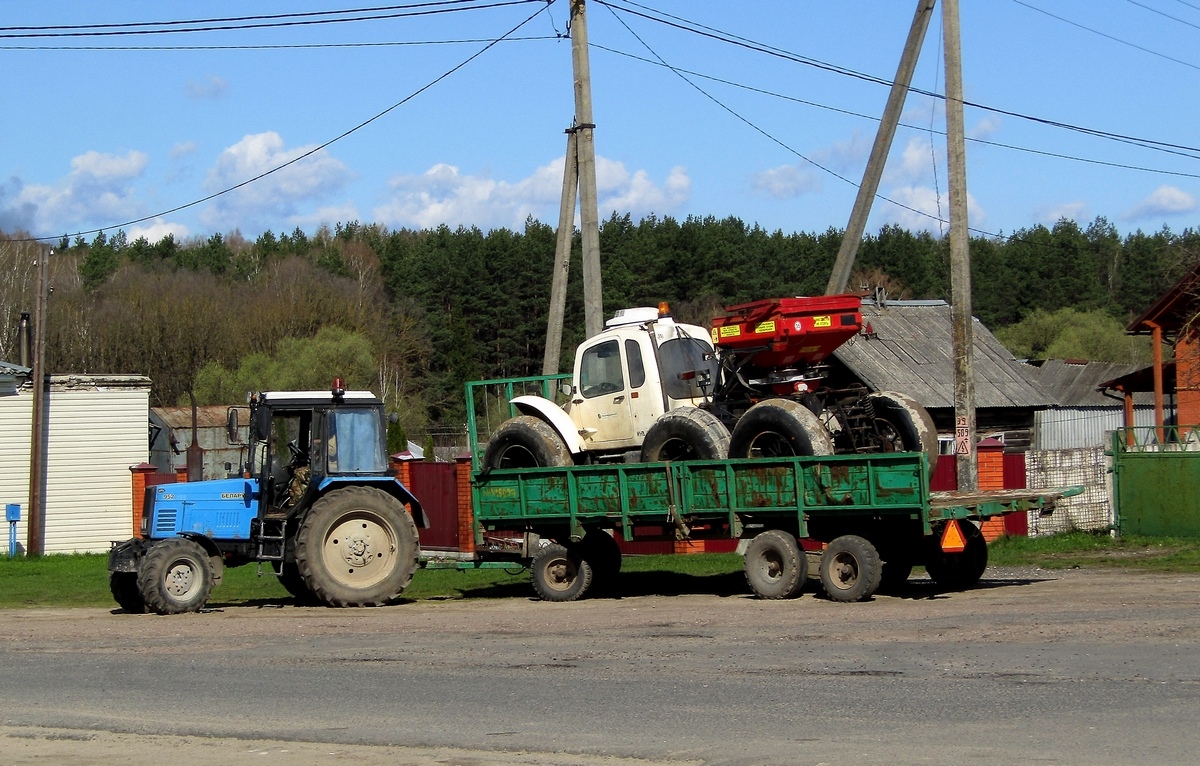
(1156, 480)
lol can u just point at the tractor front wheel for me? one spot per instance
(176, 576)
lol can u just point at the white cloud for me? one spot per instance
(785, 182)
(985, 128)
(443, 195)
(1165, 201)
(273, 201)
(914, 164)
(1052, 214)
(156, 229)
(210, 88)
(923, 208)
(97, 191)
(182, 149)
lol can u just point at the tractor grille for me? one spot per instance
(165, 521)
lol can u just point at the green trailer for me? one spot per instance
(864, 520)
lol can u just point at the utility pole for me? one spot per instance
(562, 257)
(879, 152)
(34, 526)
(960, 258)
(589, 215)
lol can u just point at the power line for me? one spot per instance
(1107, 36)
(851, 113)
(292, 46)
(1163, 14)
(1191, 152)
(271, 24)
(315, 149)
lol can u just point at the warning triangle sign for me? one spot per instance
(952, 538)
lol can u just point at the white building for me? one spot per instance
(96, 428)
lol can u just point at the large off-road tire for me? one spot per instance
(357, 547)
(957, 571)
(175, 577)
(293, 582)
(525, 442)
(602, 553)
(905, 426)
(688, 433)
(559, 573)
(894, 576)
(124, 589)
(776, 566)
(850, 569)
(779, 428)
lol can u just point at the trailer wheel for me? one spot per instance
(779, 428)
(293, 582)
(688, 433)
(904, 425)
(124, 589)
(776, 566)
(357, 547)
(525, 442)
(175, 577)
(958, 571)
(850, 569)
(894, 575)
(602, 553)
(559, 574)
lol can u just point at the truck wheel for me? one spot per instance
(779, 428)
(602, 553)
(904, 425)
(776, 566)
(958, 571)
(124, 589)
(559, 574)
(357, 547)
(293, 582)
(688, 433)
(894, 575)
(850, 569)
(525, 442)
(175, 577)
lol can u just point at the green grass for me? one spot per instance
(82, 580)
(1086, 549)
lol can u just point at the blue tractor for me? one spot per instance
(314, 499)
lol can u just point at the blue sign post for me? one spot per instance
(12, 512)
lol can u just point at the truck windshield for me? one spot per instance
(685, 367)
(355, 442)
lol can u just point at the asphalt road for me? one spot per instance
(1082, 667)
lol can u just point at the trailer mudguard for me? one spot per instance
(540, 407)
(388, 484)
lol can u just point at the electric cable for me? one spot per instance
(312, 151)
(282, 46)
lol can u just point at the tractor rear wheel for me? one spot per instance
(779, 428)
(525, 442)
(293, 582)
(688, 433)
(175, 577)
(124, 589)
(357, 547)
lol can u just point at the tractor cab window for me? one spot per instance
(354, 442)
(689, 368)
(600, 370)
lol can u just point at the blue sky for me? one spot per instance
(96, 138)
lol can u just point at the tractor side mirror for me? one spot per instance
(231, 425)
(567, 389)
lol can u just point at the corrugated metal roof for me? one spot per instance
(907, 346)
(208, 416)
(1074, 383)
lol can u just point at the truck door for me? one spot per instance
(603, 397)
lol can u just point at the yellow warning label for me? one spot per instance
(731, 331)
(714, 335)
(766, 327)
(810, 349)
(952, 539)
(825, 321)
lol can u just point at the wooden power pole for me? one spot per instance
(879, 151)
(960, 259)
(34, 524)
(579, 175)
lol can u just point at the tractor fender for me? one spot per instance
(540, 407)
(388, 484)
